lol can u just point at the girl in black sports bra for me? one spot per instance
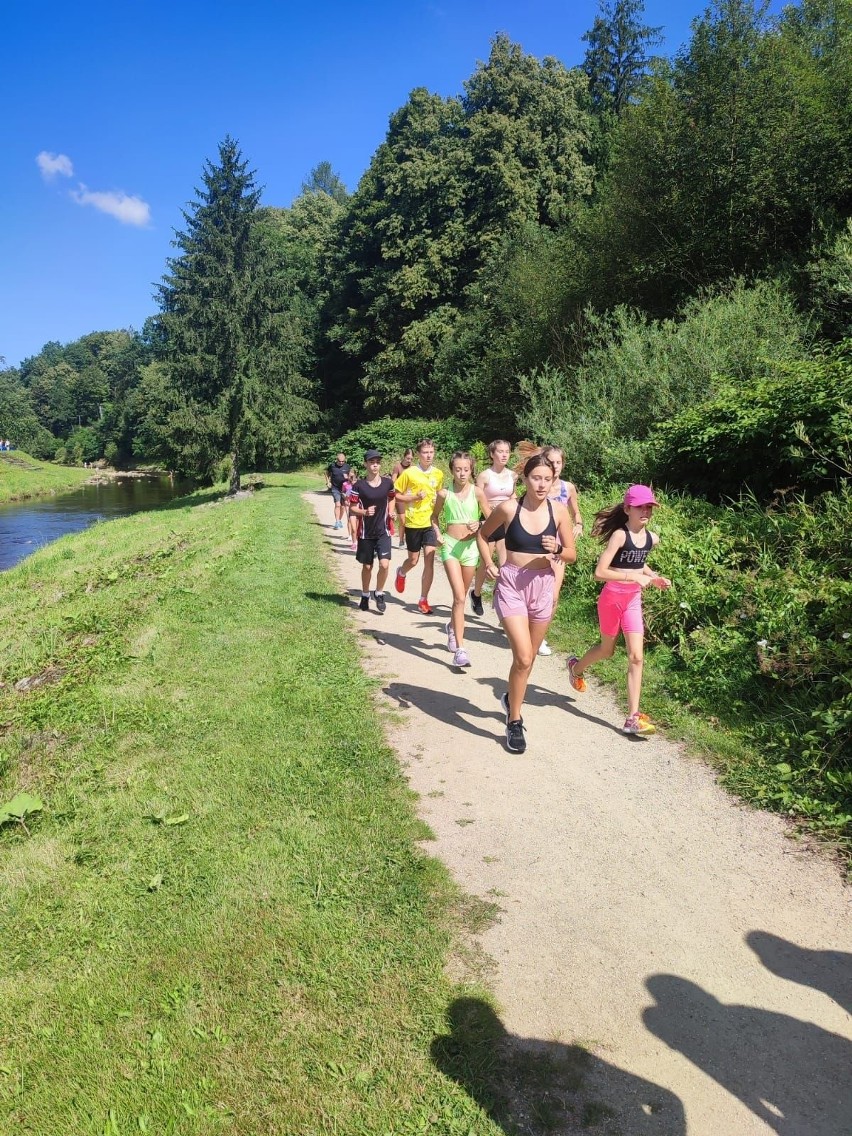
(538, 533)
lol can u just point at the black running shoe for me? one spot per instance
(516, 742)
(381, 603)
(476, 604)
(365, 603)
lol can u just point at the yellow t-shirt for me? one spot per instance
(418, 514)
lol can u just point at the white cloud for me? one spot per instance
(53, 164)
(125, 208)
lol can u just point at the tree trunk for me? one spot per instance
(234, 487)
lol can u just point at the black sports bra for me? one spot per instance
(630, 555)
(519, 540)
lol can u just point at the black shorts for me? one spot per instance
(415, 539)
(368, 549)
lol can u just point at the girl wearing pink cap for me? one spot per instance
(622, 566)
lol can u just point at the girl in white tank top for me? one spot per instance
(498, 485)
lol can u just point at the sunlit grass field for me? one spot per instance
(222, 920)
(22, 476)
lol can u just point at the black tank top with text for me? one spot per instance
(630, 555)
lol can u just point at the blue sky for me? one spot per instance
(110, 110)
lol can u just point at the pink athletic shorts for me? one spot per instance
(524, 591)
(620, 608)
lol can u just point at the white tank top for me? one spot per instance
(498, 486)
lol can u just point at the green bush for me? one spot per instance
(394, 435)
(790, 430)
(635, 372)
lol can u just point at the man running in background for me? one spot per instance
(335, 475)
(370, 505)
(417, 487)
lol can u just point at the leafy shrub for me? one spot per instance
(750, 435)
(634, 372)
(83, 445)
(394, 435)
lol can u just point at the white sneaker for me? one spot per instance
(545, 648)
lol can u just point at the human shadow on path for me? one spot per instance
(793, 1075)
(539, 696)
(529, 1086)
(436, 653)
(828, 971)
(448, 709)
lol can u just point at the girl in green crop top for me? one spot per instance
(460, 508)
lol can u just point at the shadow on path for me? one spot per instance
(793, 1075)
(449, 708)
(532, 1087)
(828, 971)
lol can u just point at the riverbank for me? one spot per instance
(221, 920)
(22, 476)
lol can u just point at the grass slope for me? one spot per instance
(22, 476)
(221, 921)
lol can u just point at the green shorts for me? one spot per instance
(465, 551)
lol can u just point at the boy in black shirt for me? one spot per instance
(374, 492)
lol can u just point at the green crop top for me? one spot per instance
(460, 510)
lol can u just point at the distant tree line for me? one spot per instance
(577, 253)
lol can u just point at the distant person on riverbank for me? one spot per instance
(460, 508)
(403, 464)
(418, 487)
(370, 507)
(538, 535)
(625, 574)
(335, 475)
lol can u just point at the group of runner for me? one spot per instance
(532, 536)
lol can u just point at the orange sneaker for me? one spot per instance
(577, 681)
(399, 580)
(423, 605)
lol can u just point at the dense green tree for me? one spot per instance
(18, 420)
(234, 392)
(732, 159)
(453, 180)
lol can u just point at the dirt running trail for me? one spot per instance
(702, 956)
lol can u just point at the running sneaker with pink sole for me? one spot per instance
(640, 725)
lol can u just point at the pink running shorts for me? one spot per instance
(620, 609)
(524, 591)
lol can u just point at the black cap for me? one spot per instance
(371, 455)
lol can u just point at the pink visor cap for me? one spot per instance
(640, 495)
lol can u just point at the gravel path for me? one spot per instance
(700, 955)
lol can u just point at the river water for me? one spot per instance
(27, 525)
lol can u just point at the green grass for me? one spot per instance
(22, 476)
(222, 921)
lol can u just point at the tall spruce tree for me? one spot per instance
(232, 359)
(618, 55)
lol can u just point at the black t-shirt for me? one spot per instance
(338, 473)
(376, 526)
